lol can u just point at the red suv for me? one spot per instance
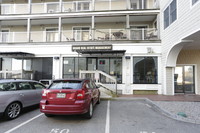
(70, 96)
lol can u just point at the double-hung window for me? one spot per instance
(82, 6)
(170, 14)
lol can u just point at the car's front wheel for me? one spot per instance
(13, 110)
(89, 114)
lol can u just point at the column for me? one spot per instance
(169, 81)
(128, 27)
(0, 6)
(128, 3)
(59, 29)
(29, 30)
(29, 6)
(93, 5)
(60, 5)
(93, 28)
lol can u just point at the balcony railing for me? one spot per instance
(80, 35)
(76, 6)
(13, 37)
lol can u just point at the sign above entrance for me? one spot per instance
(91, 47)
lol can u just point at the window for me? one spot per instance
(4, 36)
(82, 6)
(145, 70)
(25, 86)
(170, 14)
(138, 4)
(52, 35)
(68, 84)
(7, 86)
(194, 1)
(52, 7)
(81, 33)
(38, 86)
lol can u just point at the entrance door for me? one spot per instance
(92, 64)
(103, 65)
(184, 79)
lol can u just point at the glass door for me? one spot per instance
(138, 32)
(184, 79)
(92, 64)
(103, 65)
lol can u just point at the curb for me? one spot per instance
(156, 107)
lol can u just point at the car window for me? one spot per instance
(89, 85)
(24, 86)
(93, 84)
(65, 85)
(7, 86)
(38, 86)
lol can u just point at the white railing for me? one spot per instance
(16, 74)
(110, 34)
(80, 35)
(13, 37)
(76, 6)
(14, 9)
(101, 78)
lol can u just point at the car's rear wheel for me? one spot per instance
(99, 99)
(13, 110)
(48, 115)
(89, 114)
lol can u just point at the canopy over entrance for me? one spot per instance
(16, 54)
(102, 52)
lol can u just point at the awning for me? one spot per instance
(16, 54)
(102, 52)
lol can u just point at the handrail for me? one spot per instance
(101, 78)
(22, 74)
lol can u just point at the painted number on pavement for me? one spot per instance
(57, 130)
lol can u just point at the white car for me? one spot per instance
(17, 94)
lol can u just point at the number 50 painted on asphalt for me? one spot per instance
(57, 130)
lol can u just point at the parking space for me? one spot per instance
(115, 116)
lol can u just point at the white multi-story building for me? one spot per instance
(140, 46)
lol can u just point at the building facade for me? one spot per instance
(145, 46)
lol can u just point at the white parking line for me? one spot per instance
(107, 128)
(9, 131)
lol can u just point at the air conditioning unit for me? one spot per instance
(50, 11)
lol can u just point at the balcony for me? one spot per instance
(80, 35)
(10, 7)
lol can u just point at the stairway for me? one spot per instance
(107, 83)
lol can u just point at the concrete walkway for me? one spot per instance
(180, 107)
(183, 98)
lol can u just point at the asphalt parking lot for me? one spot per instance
(110, 116)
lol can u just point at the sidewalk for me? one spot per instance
(183, 98)
(180, 107)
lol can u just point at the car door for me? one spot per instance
(38, 89)
(27, 94)
(94, 91)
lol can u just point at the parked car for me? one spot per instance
(16, 94)
(46, 82)
(70, 96)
